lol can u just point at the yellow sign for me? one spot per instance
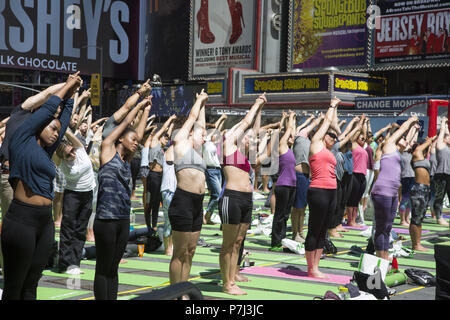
(95, 90)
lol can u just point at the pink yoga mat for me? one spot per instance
(294, 274)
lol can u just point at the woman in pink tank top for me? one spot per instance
(321, 195)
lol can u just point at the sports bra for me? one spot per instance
(422, 164)
(238, 160)
(191, 159)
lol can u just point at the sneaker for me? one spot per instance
(276, 249)
(74, 271)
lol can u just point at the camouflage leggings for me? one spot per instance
(441, 185)
(419, 195)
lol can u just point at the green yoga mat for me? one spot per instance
(45, 293)
(215, 291)
(124, 278)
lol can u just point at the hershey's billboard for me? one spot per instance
(72, 35)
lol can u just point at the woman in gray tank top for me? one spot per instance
(186, 208)
(441, 180)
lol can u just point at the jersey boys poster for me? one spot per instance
(408, 32)
(328, 33)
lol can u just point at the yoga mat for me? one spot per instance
(402, 262)
(124, 278)
(213, 290)
(294, 274)
(45, 293)
(281, 285)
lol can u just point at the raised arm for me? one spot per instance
(390, 145)
(143, 92)
(37, 100)
(316, 141)
(73, 139)
(183, 132)
(108, 144)
(140, 128)
(440, 144)
(244, 124)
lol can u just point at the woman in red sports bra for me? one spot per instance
(321, 194)
(236, 204)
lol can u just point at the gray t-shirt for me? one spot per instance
(339, 169)
(301, 150)
(443, 160)
(407, 170)
(109, 126)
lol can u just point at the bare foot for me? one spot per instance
(404, 223)
(234, 290)
(57, 224)
(317, 274)
(169, 253)
(355, 225)
(241, 278)
(420, 248)
(90, 239)
(341, 229)
(266, 190)
(336, 235)
(134, 198)
(442, 222)
(123, 261)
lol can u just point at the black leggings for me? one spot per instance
(322, 205)
(111, 238)
(154, 180)
(284, 196)
(135, 165)
(357, 191)
(344, 188)
(28, 234)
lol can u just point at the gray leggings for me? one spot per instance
(385, 208)
(419, 195)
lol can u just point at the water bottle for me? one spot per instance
(343, 293)
(132, 219)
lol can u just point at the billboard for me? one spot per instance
(410, 33)
(325, 33)
(223, 35)
(72, 35)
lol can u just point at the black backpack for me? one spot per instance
(329, 247)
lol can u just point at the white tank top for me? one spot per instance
(169, 179)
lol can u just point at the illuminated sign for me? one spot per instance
(286, 84)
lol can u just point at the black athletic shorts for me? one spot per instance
(236, 207)
(186, 211)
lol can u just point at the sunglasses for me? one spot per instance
(332, 135)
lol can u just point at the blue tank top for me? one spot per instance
(114, 191)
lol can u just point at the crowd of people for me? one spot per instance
(62, 169)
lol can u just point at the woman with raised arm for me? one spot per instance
(385, 189)
(407, 175)
(341, 149)
(301, 153)
(360, 164)
(28, 231)
(76, 166)
(420, 191)
(236, 204)
(213, 169)
(321, 195)
(154, 177)
(112, 220)
(186, 207)
(286, 185)
(441, 179)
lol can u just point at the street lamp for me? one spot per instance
(101, 75)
